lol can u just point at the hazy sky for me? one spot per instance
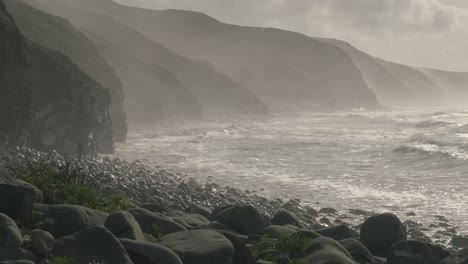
(430, 33)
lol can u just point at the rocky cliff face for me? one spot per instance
(57, 34)
(281, 67)
(159, 83)
(69, 106)
(14, 94)
(46, 100)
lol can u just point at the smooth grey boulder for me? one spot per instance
(200, 246)
(92, 244)
(149, 220)
(324, 250)
(192, 221)
(123, 225)
(17, 262)
(283, 217)
(149, 253)
(338, 233)
(461, 257)
(242, 254)
(16, 253)
(38, 196)
(358, 251)
(244, 219)
(416, 252)
(6, 177)
(10, 235)
(16, 201)
(277, 231)
(42, 242)
(380, 232)
(201, 210)
(64, 220)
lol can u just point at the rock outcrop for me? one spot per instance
(15, 95)
(57, 34)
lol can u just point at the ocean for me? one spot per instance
(400, 161)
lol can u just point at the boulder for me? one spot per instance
(323, 250)
(459, 241)
(38, 196)
(283, 217)
(416, 252)
(192, 221)
(200, 246)
(244, 219)
(16, 201)
(277, 231)
(380, 232)
(42, 242)
(92, 244)
(16, 253)
(149, 220)
(64, 220)
(149, 253)
(17, 262)
(461, 257)
(242, 254)
(10, 235)
(358, 251)
(123, 225)
(201, 210)
(6, 177)
(156, 207)
(338, 233)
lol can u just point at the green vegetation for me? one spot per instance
(268, 249)
(157, 231)
(65, 186)
(58, 260)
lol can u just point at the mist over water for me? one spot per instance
(406, 161)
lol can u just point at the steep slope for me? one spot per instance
(57, 34)
(68, 105)
(15, 96)
(280, 66)
(169, 73)
(403, 86)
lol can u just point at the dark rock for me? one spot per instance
(415, 252)
(42, 242)
(16, 253)
(149, 253)
(276, 231)
(461, 257)
(244, 219)
(16, 201)
(123, 225)
(328, 211)
(64, 220)
(10, 235)
(200, 246)
(201, 210)
(92, 244)
(312, 212)
(354, 246)
(324, 250)
(192, 221)
(283, 217)
(380, 232)
(6, 177)
(156, 207)
(242, 254)
(38, 196)
(17, 262)
(149, 220)
(459, 241)
(337, 233)
(220, 226)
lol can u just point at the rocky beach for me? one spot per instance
(138, 214)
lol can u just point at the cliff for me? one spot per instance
(57, 34)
